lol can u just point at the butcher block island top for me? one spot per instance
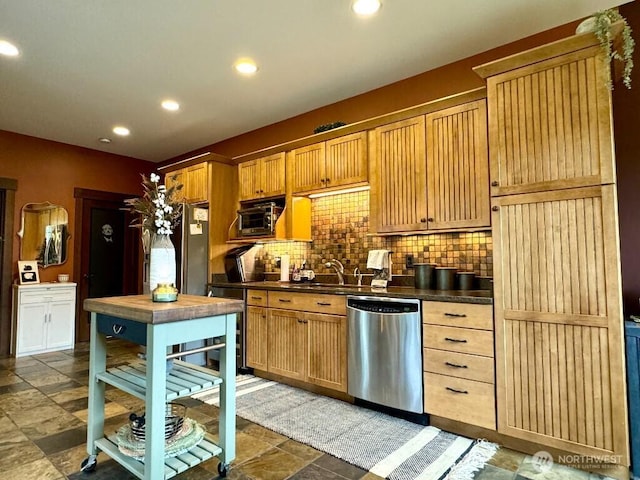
(140, 308)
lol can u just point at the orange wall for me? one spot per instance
(432, 85)
(49, 171)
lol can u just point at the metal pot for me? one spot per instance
(446, 278)
(424, 275)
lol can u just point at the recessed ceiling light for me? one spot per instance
(8, 49)
(122, 131)
(170, 105)
(366, 7)
(104, 140)
(246, 66)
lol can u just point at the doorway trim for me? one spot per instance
(8, 186)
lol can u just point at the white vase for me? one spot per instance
(162, 261)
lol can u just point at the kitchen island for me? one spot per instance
(158, 326)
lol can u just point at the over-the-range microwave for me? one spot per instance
(259, 219)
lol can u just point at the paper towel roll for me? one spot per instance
(284, 268)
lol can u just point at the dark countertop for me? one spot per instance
(140, 308)
(459, 296)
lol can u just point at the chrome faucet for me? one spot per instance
(338, 267)
(358, 276)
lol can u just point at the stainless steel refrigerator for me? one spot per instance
(193, 250)
(192, 258)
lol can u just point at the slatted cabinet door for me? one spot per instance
(175, 178)
(398, 177)
(197, 183)
(257, 337)
(307, 168)
(287, 344)
(346, 160)
(327, 350)
(559, 340)
(458, 167)
(249, 180)
(551, 125)
(272, 175)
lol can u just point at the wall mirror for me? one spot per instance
(44, 234)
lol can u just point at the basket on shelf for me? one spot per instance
(174, 419)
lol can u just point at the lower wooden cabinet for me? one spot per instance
(459, 373)
(295, 339)
(257, 337)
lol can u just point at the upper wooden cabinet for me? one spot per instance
(431, 172)
(194, 180)
(175, 178)
(551, 124)
(262, 177)
(398, 177)
(331, 164)
(458, 167)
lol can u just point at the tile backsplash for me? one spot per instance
(340, 230)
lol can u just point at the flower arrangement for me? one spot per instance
(159, 211)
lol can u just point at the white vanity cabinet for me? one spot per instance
(43, 318)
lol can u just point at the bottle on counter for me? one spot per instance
(295, 274)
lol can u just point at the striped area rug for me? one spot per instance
(384, 445)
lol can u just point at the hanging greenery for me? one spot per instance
(602, 23)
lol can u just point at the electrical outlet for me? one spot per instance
(409, 261)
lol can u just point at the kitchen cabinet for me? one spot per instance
(398, 177)
(43, 318)
(558, 301)
(458, 363)
(262, 177)
(194, 180)
(458, 167)
(307, 336)
(431, 173)
(339, 162)
(257, 336)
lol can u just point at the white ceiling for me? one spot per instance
(87, 65)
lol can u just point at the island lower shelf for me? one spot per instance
(205, 450)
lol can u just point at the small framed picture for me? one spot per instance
(28, 271)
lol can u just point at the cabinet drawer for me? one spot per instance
(47, 295)
(462, 365)
(333, 304)
(467, 315)
(454, 339)
(135, 332)
(257, 298)
(460, 399)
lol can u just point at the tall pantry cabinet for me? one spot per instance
(558, 303)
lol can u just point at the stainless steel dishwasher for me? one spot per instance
(385, 352)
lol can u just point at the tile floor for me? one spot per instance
(43, 410)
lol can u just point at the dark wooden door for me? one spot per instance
(107, 252)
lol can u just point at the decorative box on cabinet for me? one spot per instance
(43, 318)
(632, 334)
